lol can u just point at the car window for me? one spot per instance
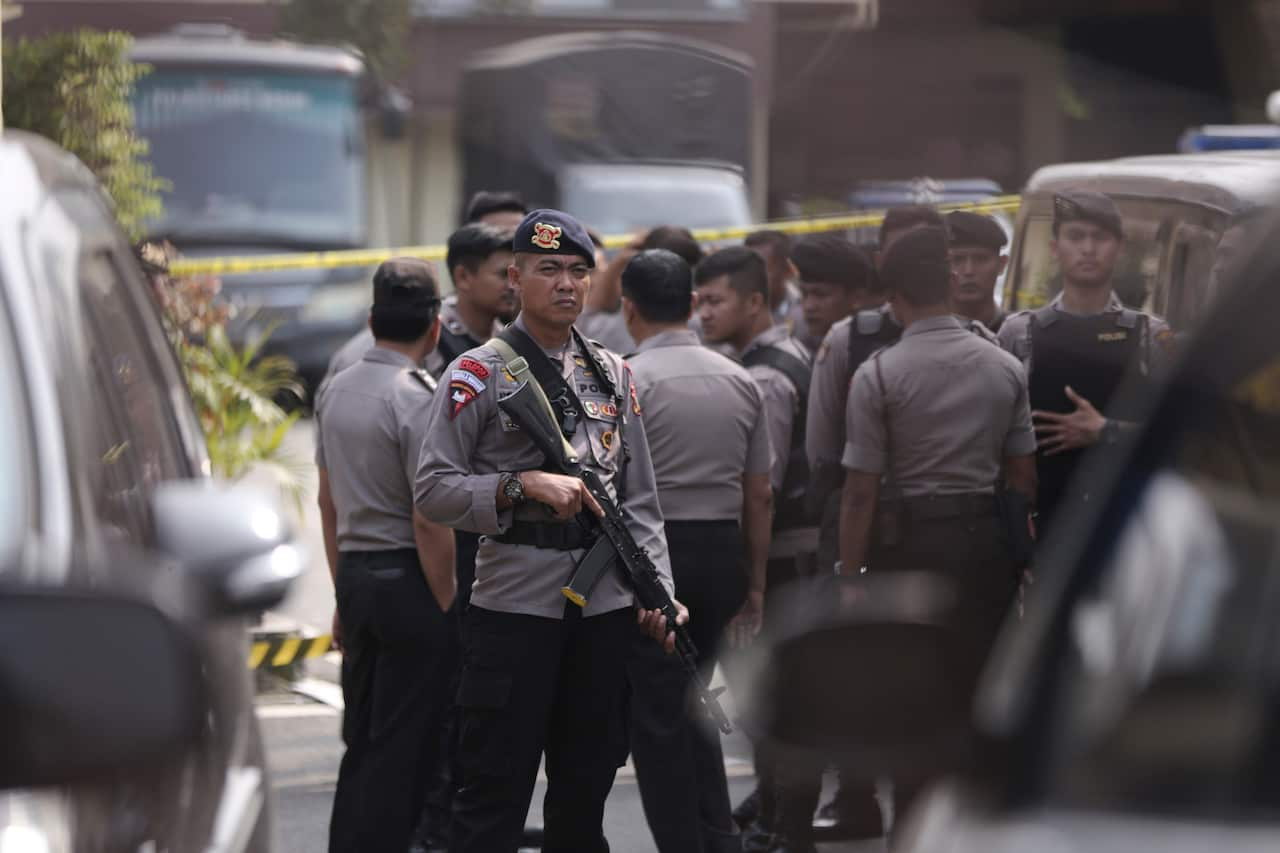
(1169, 703)
(136, 442)
(1163, 267)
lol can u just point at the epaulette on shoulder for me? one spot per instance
(424, 378)
(868, 322)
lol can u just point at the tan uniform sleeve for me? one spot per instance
(759, 446)
(641, 509)
(867, 447)
(780, 405)
(828, 392)
(447, 490)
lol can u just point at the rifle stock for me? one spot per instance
(533, 416)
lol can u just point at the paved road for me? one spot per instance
(302, 737)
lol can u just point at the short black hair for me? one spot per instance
(660, 284)
(908, 216)
(916, 267)
(486, 201)
(406, 300)
(745, 269)
(473, 243)
(676, 239)
(832, 259)
(778, 241)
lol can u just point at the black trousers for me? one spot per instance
(394, 683)
(529, 685)
(678, 760)
(971, 551)
(434, 823)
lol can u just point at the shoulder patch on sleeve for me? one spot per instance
(473, 367)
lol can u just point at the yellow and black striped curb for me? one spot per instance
(373, 257)
(270, 652)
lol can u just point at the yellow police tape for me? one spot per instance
(270, 652)
(372, 257)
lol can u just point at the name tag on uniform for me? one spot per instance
(1111, 337)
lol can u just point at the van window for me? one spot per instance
(1163, 266)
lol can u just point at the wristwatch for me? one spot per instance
(512, 488)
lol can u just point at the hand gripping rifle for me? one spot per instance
(527, 406)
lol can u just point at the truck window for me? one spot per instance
(263, 155)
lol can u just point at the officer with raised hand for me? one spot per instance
(1079, 348)
(976, 244)
(935, 422)
(710, 445)
(392, 568)
(541, 674)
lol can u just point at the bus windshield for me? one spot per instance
(261, 156)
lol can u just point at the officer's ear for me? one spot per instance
(433, 334)
(1003, 265)
(461, 278)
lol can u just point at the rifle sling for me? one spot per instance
(559, 393)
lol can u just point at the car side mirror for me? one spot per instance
(235, 540)
(867, 670)
(91, 685)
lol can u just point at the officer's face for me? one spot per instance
(723, 312)
(976, 271)
(1086, 253)
(551, 288)
(824, 304)
(488, 286)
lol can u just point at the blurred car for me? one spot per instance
(106, 510)
(1136, 706)
(1175, 207)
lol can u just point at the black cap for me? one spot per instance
(1087, 206)
(975, 230)
(553, 232)
(405, 284)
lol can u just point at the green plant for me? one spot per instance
(377, 28)
(234, 389)
(74, 88)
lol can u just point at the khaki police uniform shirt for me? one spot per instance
(370, 425)
(609, 328)
(956, 405)
(828, 394)
(780, 397)
(705, 425)
(1015, 334)
(471, 443)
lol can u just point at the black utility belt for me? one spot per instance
(557, 536)
(941, 507)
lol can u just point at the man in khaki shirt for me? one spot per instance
(392, 569)
(541, 674)
(711, 458)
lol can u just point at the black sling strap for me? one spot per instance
(791, 366)
(559, 393)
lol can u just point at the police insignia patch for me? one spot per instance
(635, 401)
(592, 407)
(607, 439)
(546, 236)
(475, 367)
(1111, 337)
(463, 388)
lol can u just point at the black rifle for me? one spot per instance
(615, 546)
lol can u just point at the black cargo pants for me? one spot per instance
(532, 684)
(395, 678)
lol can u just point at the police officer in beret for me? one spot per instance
(935, 422)
(392, 569)
(977, 241)
(1080, 347)
(704, 418)
(540, 674)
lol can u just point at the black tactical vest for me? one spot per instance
(790, 511)
(1093, 355)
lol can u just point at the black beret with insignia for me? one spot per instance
(553, 232)
(1087, 206)
(974, 230)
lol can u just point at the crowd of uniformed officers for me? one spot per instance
(785, 410)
